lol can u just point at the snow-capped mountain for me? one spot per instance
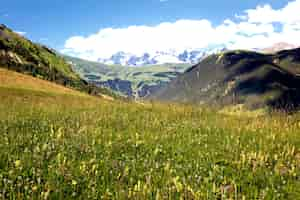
(190, 56)
(278, 47)
(120, 58)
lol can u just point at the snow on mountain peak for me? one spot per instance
(190, 56)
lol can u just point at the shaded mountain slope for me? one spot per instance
(20, 54)
(240, 77)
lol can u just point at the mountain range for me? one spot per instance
(138, 77)
(188, 56)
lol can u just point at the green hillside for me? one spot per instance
(10, 80)
(130, 81)
(240, 77)
(21, 55)
(55, 144)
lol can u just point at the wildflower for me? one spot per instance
(157, 196)
(281, 169)
(227, 189)
(74, 182)
(17, 163)
(34, 188)
(60, 133)
(46, 194)
(44, 147)
(177, 184)
(94, 167)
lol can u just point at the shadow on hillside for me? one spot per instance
(234, 58)
(276, 79)
(245, 68)
(293, 53)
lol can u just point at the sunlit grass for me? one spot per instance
(56, 146)
(10, 79)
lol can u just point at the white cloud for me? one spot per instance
(266, 14)
(253, 29)
(21, 33)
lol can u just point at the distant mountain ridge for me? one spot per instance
(188, 56)
(280, 46)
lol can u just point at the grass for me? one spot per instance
(60, 146)
(10, 79)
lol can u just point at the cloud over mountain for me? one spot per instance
(254, 28)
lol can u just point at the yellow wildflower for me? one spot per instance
(74, 182)
(34, 188)
(17, 163)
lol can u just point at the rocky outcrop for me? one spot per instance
(119, 85)
(148, 90)
(9, 56)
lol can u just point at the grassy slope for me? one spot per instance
(34, 54)
(20, 54)
(13, 80)
(56, 146)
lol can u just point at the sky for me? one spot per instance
(98, 28)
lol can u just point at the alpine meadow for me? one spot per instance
(189, 109)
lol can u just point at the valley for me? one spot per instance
(226, 127)
(134, 82)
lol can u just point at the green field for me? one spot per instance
(61, 146)
(135, 75)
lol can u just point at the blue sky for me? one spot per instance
(55, 22)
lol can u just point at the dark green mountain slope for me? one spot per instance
(240, 77)
(21, 55)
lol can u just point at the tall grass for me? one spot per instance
(62, 147)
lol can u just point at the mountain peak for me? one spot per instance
(279, 47)
(188, 56)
